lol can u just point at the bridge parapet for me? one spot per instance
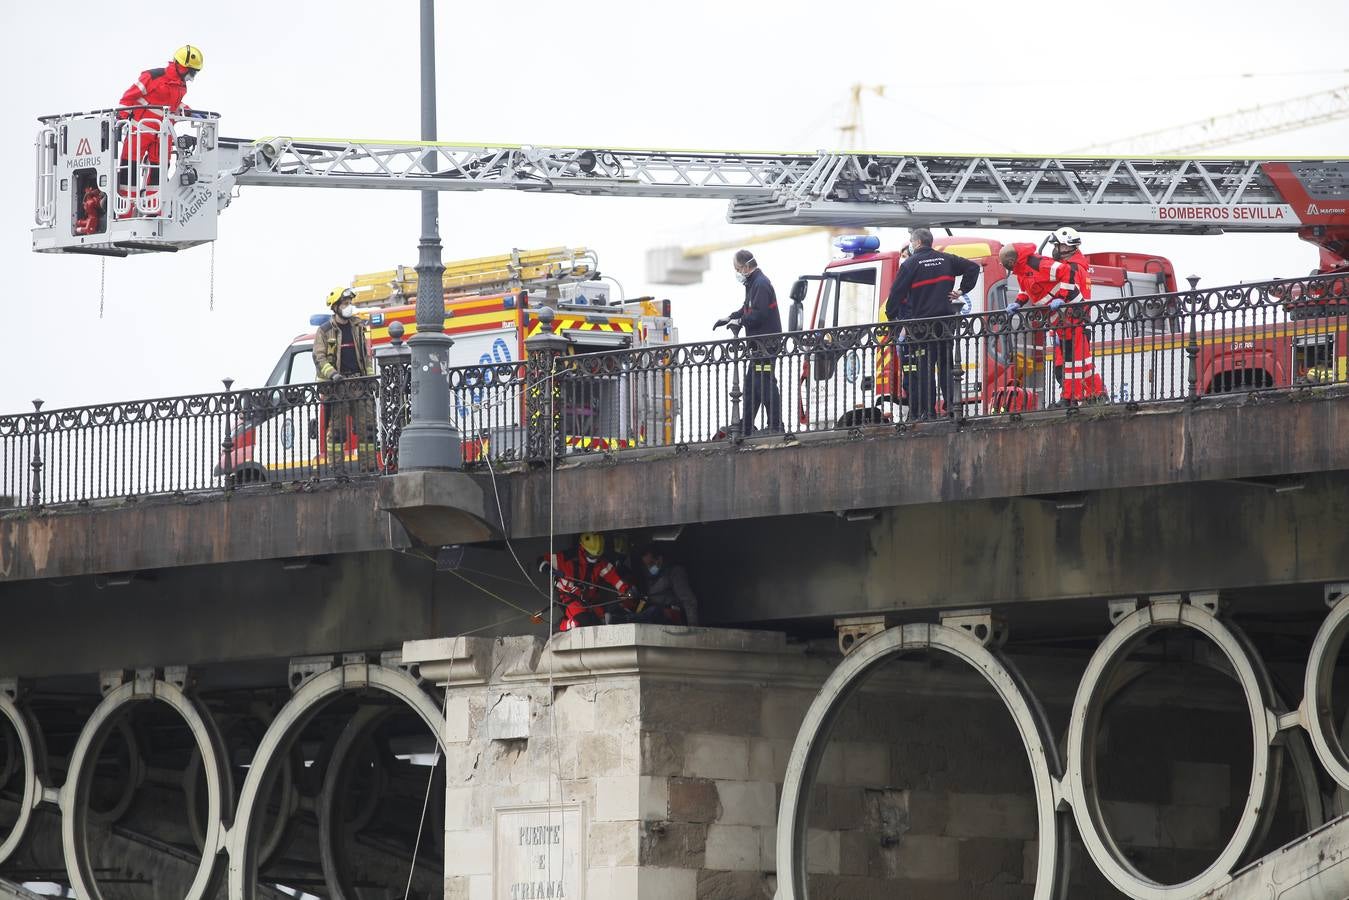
(1285, 335)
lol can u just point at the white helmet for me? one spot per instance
(1066, 235)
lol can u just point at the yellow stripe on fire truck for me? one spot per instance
(600, 443)
(580, 323)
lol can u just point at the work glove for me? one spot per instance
(1055, 305)
(720, 323)
(336, 376)
(1013, 307)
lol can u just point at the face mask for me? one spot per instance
(654, 570)
(189, 74)
(741, 277)
(346, 311)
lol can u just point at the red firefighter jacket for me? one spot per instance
(155, 88)
(1042, 278)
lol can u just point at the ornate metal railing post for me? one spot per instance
(543, 394)
(35, 463)
(736, 430)
(1192, 346)
(227, 445)
(395, 394)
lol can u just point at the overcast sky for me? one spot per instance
(729, 74)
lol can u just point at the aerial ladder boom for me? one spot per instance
(1152, 195)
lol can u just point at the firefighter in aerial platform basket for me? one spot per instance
(583, 577)
(141, 126)
(1057, 281)
(342, 351)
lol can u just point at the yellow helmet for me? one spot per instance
(189, 57)
(337, 295)
(592, 542)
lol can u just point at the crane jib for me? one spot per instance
(1157, 195)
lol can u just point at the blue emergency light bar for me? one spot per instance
(857, 244)
(318, 319)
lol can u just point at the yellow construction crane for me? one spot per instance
(685, 265)
(1245, 124)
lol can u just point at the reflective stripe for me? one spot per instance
(142, 85)
(926, 281)
(142, 101)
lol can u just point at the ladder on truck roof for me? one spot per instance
(531, 270)
(852, 189)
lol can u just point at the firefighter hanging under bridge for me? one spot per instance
(146, 140)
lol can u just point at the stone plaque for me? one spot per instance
(540, 853)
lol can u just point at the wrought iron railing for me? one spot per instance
(1291, 334)
(204, 442)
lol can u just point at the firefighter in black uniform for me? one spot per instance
(925, 288)
(759, 316)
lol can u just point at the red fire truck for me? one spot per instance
(1140, 349)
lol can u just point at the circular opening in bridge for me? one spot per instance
(1327, 699)
(13, 778)
(888, 795)
(1173, 756)
(923, 785)
(1181, 747)
(384, 770)
(363, 763)
(133, 824)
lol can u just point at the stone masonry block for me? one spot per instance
(468, 887)
(468, 852)
(831, 764)
(616, 708)
(822, 851)
(694, 707)
(716, 756)
(1030, 859)
(853, 847)
(693, 800)
(630, 797)
(457, 719)
(866, 764)
(662, 753)
(460, 808)
(666, 884)
(611, 844)
(733, 847)
(680, 845)
(783, 710)
(1201, 784)
(594, 756)
(747, 803)
(733, 886)
(920, 857)
(991, 815)
(768, 759)
(928, 811)
(768, 848)
(612, 883)
(989, 861)
(573, 709)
